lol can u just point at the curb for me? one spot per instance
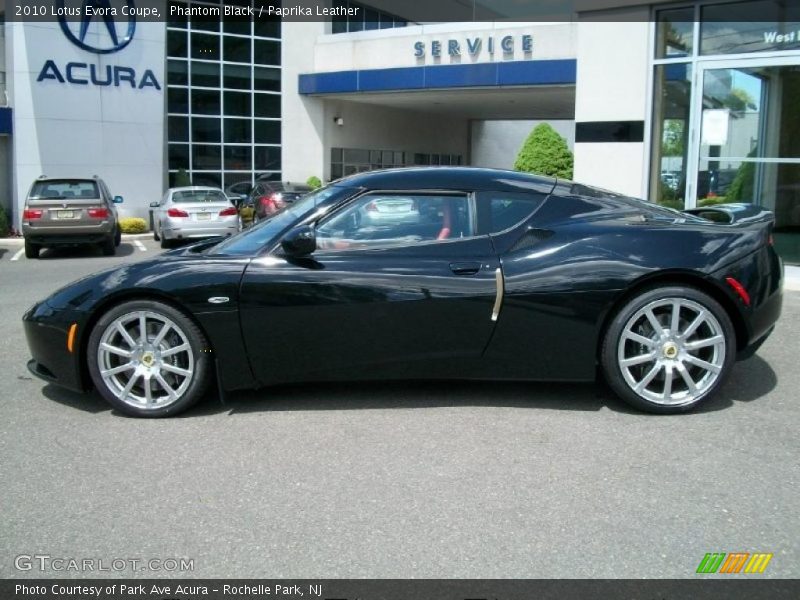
(19, 241)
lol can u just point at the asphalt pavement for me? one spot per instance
(409, 480)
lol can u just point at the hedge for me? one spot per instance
(132, 225)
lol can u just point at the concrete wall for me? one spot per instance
(79, 130)
(496, 144)
(612, 85)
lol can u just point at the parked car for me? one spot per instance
(506, 276)
(239, 192)
(67, 211)
(193, 212)
(390, 210)
(271, 197)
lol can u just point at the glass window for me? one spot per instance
(672, 96)
(178, 156)
(204, 23)
(386, 220)
(205, 46)
(178, 129)
(238, 183)
(238, 26)
(237, 131)
(176, 44)
(205, 102)
(238, 158)
(177, 100)
(267, 132)
(674, 32)
(267, 105)
(267, 28)
(500, 211)
(205, 130)
(177, 72)
(266, 79)
(236, 49)
(749, 27)
(267, 158)
(65, 188)
(205, 157)
(237, 77)
(205, 74)
(267, 52)
(199, 196)
(209, 179)
(237, 103)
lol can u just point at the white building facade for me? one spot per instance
(683, 103)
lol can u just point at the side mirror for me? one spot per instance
(117, 199)
(152, 204)
(300, 241)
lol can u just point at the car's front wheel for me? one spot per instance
(668, 349)
(148, 359)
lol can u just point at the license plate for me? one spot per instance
(65, 214)
(204, 216)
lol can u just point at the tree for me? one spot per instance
(182, 179)
(545, 153)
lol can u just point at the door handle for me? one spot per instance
(465, 268)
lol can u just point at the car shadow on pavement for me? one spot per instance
(750, 381)
(56, 252)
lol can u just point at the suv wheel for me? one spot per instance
(31, 249)
(108, 246)
(118, 238)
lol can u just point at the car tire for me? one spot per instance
(118, 238)
(155, 235)
(186, 371)
(32, 250)
(108, 247)
(662, 363)
(166, 244)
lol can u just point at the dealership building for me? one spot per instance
(683, 103)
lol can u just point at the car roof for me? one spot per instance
(449, 178)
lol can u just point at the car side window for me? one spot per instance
(384, 220)
(499, 211)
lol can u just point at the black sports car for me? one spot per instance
(431, 273)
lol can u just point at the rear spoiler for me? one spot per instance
(734, 213)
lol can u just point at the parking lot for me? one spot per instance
(420, 480)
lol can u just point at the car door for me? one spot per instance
(389, 292)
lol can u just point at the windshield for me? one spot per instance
(199, 196)
(64, 188)
(250, 241)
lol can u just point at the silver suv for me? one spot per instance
(66, 211)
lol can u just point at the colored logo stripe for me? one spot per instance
(714, 562)
(711, 562)
(758, 563)
(734, 562)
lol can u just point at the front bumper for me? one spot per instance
(46, 331)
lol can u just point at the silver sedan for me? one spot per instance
(193, 212)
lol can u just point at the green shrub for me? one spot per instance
(712, 200)
(3, 222)
(313, 182)
(182, 179)
(132, 225)
(545, 153)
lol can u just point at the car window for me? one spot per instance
(498, 211)
(265, 233)
(199, 196)
(385, 220)
(64, 189)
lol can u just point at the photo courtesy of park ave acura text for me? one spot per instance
(400, 299)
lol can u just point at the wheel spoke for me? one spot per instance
(712, 341)
(654, 323)
(637, 360)
(164, 330)
(120, 369)
(668, 376)
(175, 350)
(148, 393)
(142, 328)
(167, 388)
(127, 390)
(687, 378)
(177, 370)
(676, 316)
(115, 350)
(698, 320)
(125, 335)
(648, 378)
(702, 364)
(639, 339)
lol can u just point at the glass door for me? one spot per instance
(746, 142)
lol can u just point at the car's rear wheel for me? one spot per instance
(166, 244)
(148, 359)
(108, 247)
(155, 234)
(668, 349)
(32, 250)
(118, 238)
